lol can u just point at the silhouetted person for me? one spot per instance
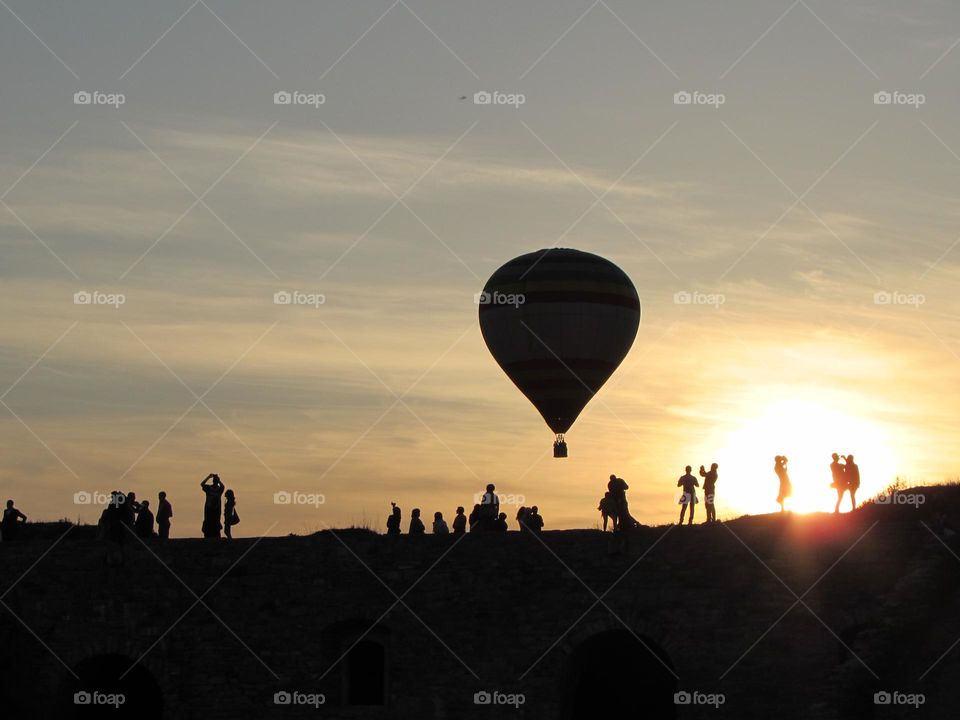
(12, 519)
(459, 522)
(851, 472)
(230, 516)
(416, 524)
(474, 518)
(112, 521)
(130, 509)
(839, 480)
(393, 522)
(211, 506)
(144, 524)
(500, 523)
(618, 492)
(709, 489)
(489, 508)
(786, 489)
(522, 514)
(534, 521)
(164, 513)
(439, 524)
(689, 484)
(607, 511)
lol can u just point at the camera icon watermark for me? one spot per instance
(895, 697)
(97, 97)
(901, 498)
(83, 297)
(695, 697)
(686, 297)
(296, 297)
(895, 97)
(295, 697)
(295, 97)
(496, 97)
(495, 697)
(84, 697)
(499, 298)
(884, 297)
(695, 97)
(285, 497)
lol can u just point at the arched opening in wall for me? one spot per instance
(365, 674)
(110, 686)
(612, 674)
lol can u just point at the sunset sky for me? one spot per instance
(814, 227)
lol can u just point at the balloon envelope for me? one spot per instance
(559, 322)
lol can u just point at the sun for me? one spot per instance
(807, 431)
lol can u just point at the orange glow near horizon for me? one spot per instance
(807, 431)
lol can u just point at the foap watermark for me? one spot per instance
(98, 97)
(684, 297)
(84, 297)
(695, 97)
(884, 297)
(495, 697)
(895, 97)
(297, 297)
(499, 298)
(96, 497)
(895, 697)
(504, 498)
(695, 697)
(295, 97)
(496, 97)
(284, 497)
(901, 498)
(95, 697)
(295, 697)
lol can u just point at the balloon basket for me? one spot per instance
(560, 448)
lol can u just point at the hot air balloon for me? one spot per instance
(559, 322)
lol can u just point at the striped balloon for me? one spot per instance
(559, 322)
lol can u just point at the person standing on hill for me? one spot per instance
(607, 511)
(689, 484)
(617, 487)
(489, 508)
(230, 516)
(851, 473)
(786, 488)
(393, 522)
(164, 513)
(211, 506)
(709, 489)
(12, 520)
(839, 480)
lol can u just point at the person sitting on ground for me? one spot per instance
(164, 513)
(12, 520)
(230, 516)
(393, 522)
(439, 524)
(709, 490)
(500, 524)
(474, 519)
(144, 524)
(689, 484)
(416, 524)
(211, 506)
(534, 521)
(459, 522)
